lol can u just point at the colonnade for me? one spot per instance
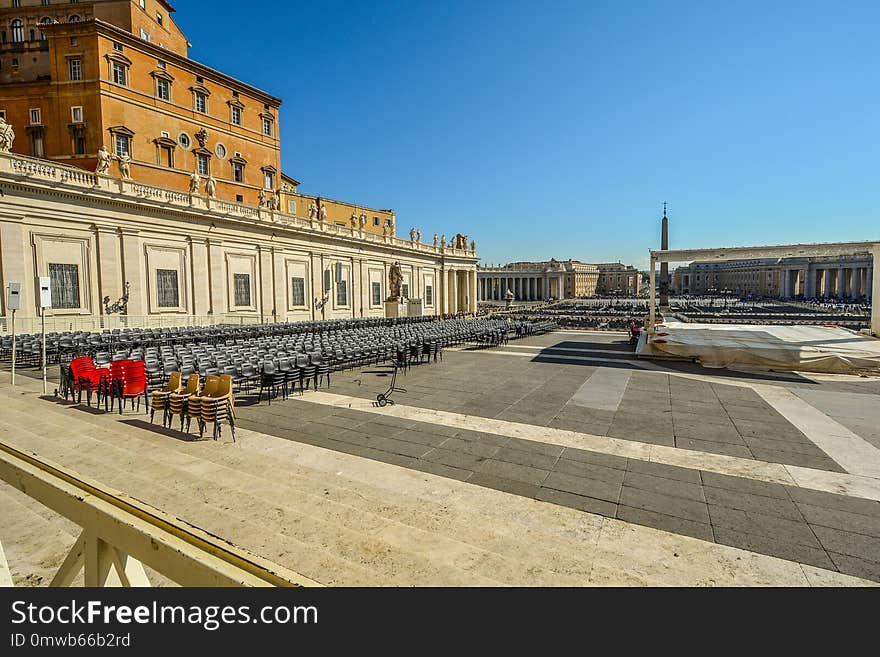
(840, 281)
(494, 287)
(460, 294)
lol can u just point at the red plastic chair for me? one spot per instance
(133, 384)
(111, 383)
(85, 376)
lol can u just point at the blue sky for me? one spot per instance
(557, 129)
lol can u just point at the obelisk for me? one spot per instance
(664, 266)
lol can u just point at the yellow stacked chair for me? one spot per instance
(219, 407)
(179, 401)
(194, 403)
(161, 397)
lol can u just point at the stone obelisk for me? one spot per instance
(664, 266)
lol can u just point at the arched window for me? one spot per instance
(44, 21)
(74, 19)
(17, 31)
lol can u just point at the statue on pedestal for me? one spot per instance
(7, 136)
(262, 197)
(435, 239)
(412, 234)
(125, 166)
(313, 211)
(323, 212)
(363, 221)
(105, 157)
(276, 201)
(194, 181)
(210, 187)
(418, 236)
(443, 241)
(354, 220)
(473, 245)
(395, 281)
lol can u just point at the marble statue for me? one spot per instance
(323, 212)
(435, 239)
(412, 234)
(473, 245)
(395, 281)
(385, 229)
(104, 160)
(125, 166)
(276, 201)
(7, 136)
(354, 220)
(210, 187)
(418, 236)
(443, 241)
(262, 197)
(363, 221)
(194, 181)
(313, 211)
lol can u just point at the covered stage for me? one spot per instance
(828, 349)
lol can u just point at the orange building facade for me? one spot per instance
(76, 77)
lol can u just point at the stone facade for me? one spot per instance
(538, 281)
(844, 277)
(615, 278)
(198, 260)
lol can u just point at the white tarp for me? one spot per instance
(796, 348)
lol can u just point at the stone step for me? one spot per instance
(560, 570)
(34, 542)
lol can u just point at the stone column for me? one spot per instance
(217, 277)
(133, 271)
(109, 275)
(869, 282)
(561, 284)
(856, 285)
(200, 276)
(841, 283)
(472, 280)
(453, 291)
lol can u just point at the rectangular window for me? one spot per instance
(242, 284)
(166, 156)
(163, 89)
(298, 291)
(79, 145)
(167, 290)
(429, 295)
(16, 3)
(159, 18)
(74, 69)
(375, 221)
(238, 172)
(341, 293)
(404, 290)
(291, 207)
(267, 127)
(120, 74)
(65, 285)
(327, 282)
(376, 291)
(145, 35)
(117, 46)
(269, 180)
(37, 144)
(76, 114)
(236, 115)
(74, 41)
(36, 117)
(161, 64)
(122, 145)
(201, 102)
(202, 161)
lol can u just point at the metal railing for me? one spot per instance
(120, 535)
(98, 323)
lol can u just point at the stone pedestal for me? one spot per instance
(414, 308)
(394, 308)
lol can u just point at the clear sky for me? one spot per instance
(557, 129)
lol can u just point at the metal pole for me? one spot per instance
(43, 322)
(651, 305)
(13, 347)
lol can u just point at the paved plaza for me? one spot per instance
(560, 456)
